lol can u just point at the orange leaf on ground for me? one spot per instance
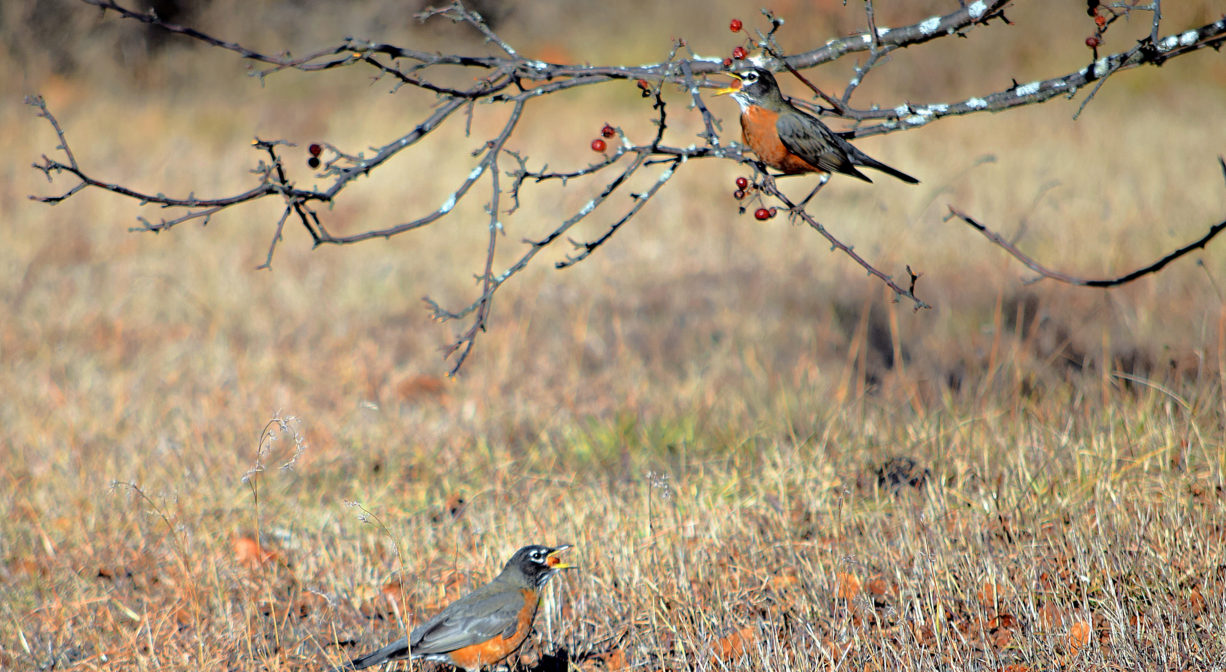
(455, 504)
(1078, 635)
(248, 552)
(1001, 637)
(391, 590)
(734, 644)
(848, 585)
(1196, 602)
(878, 586)
(988, 593)
(608, 661)
(422, 387)
(1050, 615)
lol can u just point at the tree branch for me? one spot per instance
(1045, 272)
(505, 77)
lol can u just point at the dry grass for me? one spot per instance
(763, 464)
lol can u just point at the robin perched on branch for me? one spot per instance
(485, 626)
(791, 140)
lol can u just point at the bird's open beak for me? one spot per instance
(554, 561)
(733, 88)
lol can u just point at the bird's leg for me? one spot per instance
(820, 183)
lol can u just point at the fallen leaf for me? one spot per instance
(1078, 636)
(734, 644)
(848, 585)
(988, 593)
(454, 507)
(1196, 602)
(421, 387)
(249, 553)
(878, 586)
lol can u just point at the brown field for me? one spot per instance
(762, 461)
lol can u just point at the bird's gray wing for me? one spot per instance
(808, 138)
(471, 620)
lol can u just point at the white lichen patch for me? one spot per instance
(929, 26)
(1028, 89)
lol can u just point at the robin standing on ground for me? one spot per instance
(790, 140)
(483, 627)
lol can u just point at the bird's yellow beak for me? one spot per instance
(554, 562)
(733, 88)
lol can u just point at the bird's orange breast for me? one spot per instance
(760, 133)
(494, 650)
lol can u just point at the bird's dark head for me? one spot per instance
(536, 564)
(753, 86)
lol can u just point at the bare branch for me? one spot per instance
(797, 211)
(1046, 272)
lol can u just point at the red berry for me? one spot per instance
(762, 214)
(643, 84)
(741, 183)
(1093, 41)
(727, 62)
(608, 131)
(1100, 21)
(313, 162)
(598, 145)
(739, 53)
(315, 149)
(738, 194)
(735, 26)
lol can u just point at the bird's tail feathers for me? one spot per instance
(859, 158)
(397, 650)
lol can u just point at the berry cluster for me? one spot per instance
(738, 52)
(1100, 25)
(607, 131)
(742, 190)
(315, 149)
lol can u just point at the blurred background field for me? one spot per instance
(710, 406)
